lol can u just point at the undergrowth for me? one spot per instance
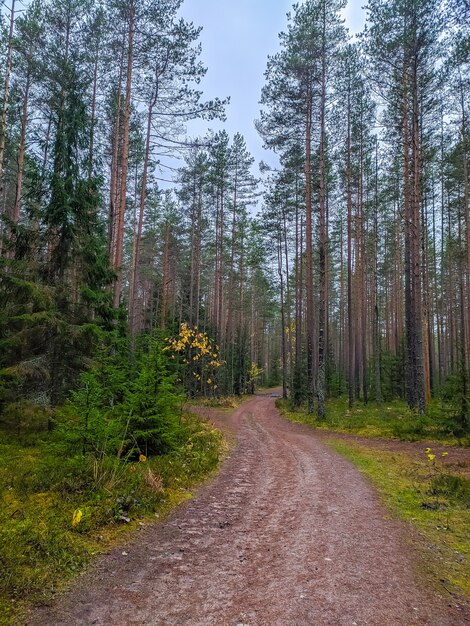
(425, 493)
(59, 508)
(220, 402)
(390, 420)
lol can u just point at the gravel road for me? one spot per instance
(287, 534)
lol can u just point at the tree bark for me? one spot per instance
(309, 259)
(6, 89)
(125, 162)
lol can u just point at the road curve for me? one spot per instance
(287, 534)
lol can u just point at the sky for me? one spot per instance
(237, 37)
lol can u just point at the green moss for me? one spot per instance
(40, 489)
(440, 516)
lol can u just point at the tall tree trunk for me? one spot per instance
(309, 259)
(418, 274)
(288, 296)
(466, 210)
(323, 305)
(125, 162)
(283, 317)
(166, 277)
(114, 178)
(464, 408)
(349, 263)
(410, 320)
(377, 352)
(91, 148)
(6, 89)
(195, 271)
(229, 332)
(297, 390)
(363, 299)
(21, 151)
(133, 326)
(241, 322)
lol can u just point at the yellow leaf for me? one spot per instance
(76, 517)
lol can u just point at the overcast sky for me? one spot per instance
(237, 37)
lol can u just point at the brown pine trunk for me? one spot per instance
(466, 212)
(377, 354)
(323, 310)
(195, 272)
(410, 361)
(309, 260)
(6, 88)
(21, 151)
(166, 277)
(283, 319)
(91, 147)
(341, 351)
(229, 332)
(297, 390)
(362, 287)
(134, 327)
(349, 265)
(114, 180)
(125, 162)
(241, 323)
(464, 408)
(220, 275)
(288, 298)
(418, 275)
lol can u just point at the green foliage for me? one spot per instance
(153, 405)
(125, 406)
(54, 274)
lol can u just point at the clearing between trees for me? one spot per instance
(287, 533)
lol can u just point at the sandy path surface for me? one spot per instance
(287, 534)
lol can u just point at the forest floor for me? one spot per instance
(289, 533)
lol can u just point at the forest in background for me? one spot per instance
(141, 269)
(351, 278)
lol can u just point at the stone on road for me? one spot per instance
(287, 534)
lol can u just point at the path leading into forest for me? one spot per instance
(287, 534)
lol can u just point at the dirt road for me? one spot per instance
(288, 534)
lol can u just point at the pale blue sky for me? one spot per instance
(237, 37)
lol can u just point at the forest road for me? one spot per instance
(287, 534)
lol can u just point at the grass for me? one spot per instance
(434, 501)
(392, 420)
(41, 488)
